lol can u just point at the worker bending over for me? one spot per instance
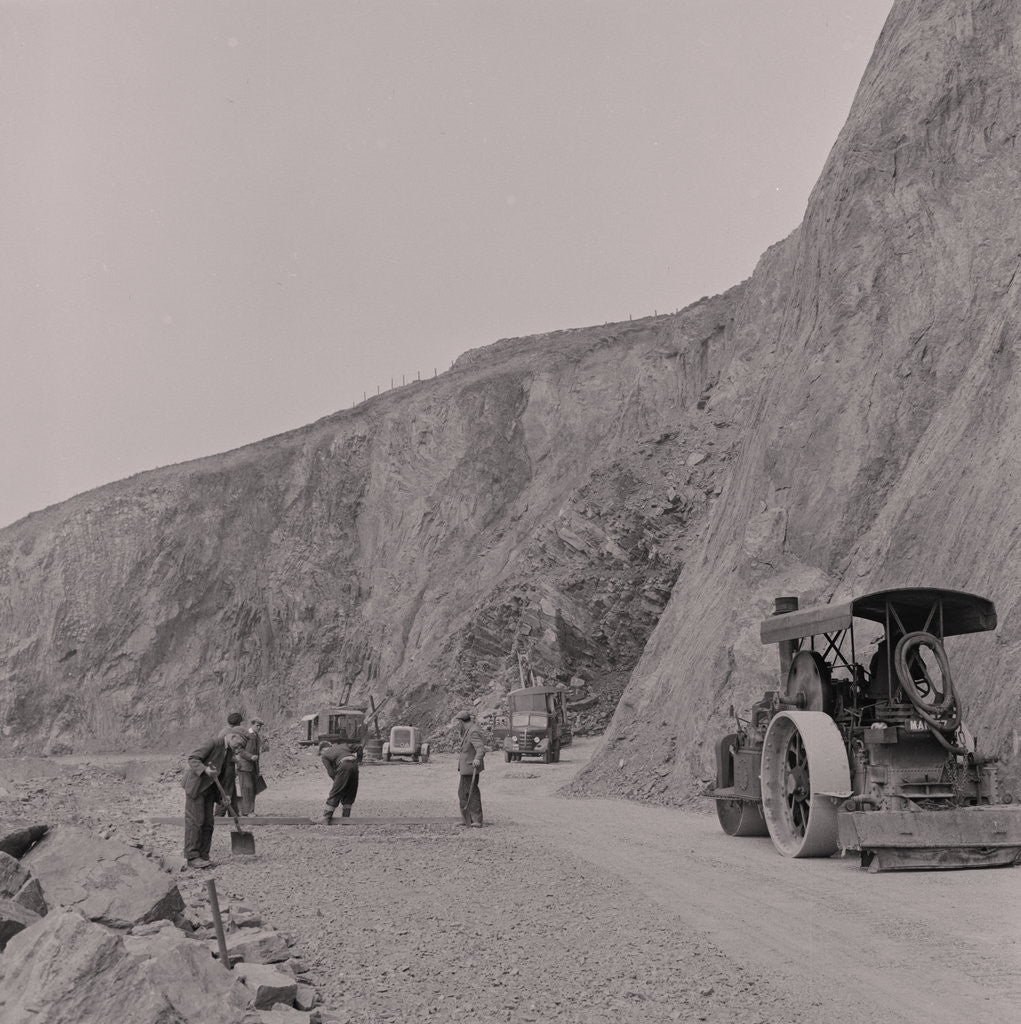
(341, 763)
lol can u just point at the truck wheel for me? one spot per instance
(547, 756)
(425, 752)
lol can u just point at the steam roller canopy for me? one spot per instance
(803, 756)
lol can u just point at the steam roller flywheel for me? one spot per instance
(741, 818)
(803, 756)
(809, 679)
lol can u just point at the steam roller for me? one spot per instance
(874, 759)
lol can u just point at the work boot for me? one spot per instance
(328, 815)
(345, 811)
(476, 824)
(200, 862)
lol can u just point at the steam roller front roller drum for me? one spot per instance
(803, 756)
(741, 818)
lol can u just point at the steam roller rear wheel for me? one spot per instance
(741, 818)
(803, 755)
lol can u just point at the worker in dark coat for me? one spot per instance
(248, 766)
(341, 763)
(470, 763)
(205, 766)
(234, 724)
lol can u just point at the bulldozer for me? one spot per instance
(875, 758)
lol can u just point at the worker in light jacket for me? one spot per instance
(248, 766)
(211, 762)
(470, 764)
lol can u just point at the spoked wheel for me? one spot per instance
(741, 818)
(803, 756)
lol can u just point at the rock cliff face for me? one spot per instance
(874, 370)
(846, 420)
(536, 501)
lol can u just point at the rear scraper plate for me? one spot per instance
(960, 837)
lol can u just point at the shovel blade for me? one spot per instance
(242, 842)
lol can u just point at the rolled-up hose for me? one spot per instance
(946, 744)
(930, 713)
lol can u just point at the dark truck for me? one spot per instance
(535, 724)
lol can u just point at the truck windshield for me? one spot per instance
(529, 702)
(521, 720)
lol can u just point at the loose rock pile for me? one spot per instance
(93, 930)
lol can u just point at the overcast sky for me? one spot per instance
(225, 220)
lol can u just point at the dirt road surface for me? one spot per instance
(572, 910)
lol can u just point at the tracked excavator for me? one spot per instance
(874, 759)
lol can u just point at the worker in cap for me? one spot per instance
(470, 762)
(206, 766)
(248, 767)
(341, 763)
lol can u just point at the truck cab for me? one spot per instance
(536, 724)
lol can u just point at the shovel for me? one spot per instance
(240, 841)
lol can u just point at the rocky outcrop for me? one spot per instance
(875, 372)
(537, 500)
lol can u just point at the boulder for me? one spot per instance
(244, 917)
(146, 940)
(262, 946)
(198, 987)
(65, 968)
(267, 985)
(107, 881)
(17, 884)
(18, 841)
(13, 918)
(305, 997)
(284, 1014)
(153, 928)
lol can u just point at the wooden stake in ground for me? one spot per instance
(221, 938)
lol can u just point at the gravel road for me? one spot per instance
(576, 910)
